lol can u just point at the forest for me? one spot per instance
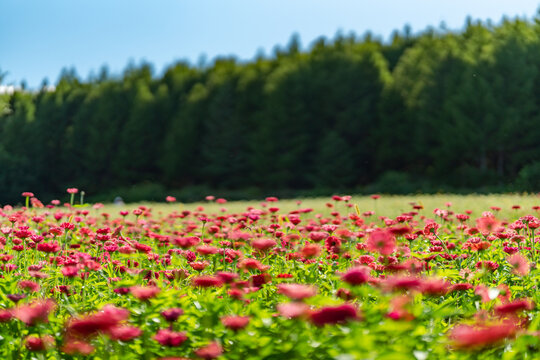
(436, 111)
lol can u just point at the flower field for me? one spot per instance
(441, 277)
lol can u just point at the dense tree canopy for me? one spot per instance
(437, 111)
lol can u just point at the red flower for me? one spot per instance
(514, 306)
(74, 347)
(72, 190)
(206, 281)
(400, 230)
(434, 286)
(144, 292)
(488, 265)
(69, 271)
(199, 265)
(402, 283)
(334, 315)
(171, 315)
(27, 194)
(332, 244)
(121, 290)
(170, 199)
(227, 277)
(35, 312)
(381, 241)
(5, 316)
(461, 287)
(263, 244)
(297, 291)
(210, 351)
(29, 285)
(143, 247)
(124, 333)
(430, 230)
(356, 276)
(35, 343)
(109, 317)
(252, 264)
(170, 338)
(235, 322)
(259, 280)
(51, 247)
(311, 251)
(473, 337)
(207, 250)
(318, 236)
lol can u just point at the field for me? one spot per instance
(390, 277)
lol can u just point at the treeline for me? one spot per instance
(438, 111)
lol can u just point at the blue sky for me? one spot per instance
(40, 37)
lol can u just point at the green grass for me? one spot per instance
(387, 205)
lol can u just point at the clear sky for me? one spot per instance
(40, 37)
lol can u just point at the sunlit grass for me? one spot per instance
(389, 206)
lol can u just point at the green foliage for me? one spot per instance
(455, 109)
(529, 177)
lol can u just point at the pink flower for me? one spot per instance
(357, 276)
(144, 292)
(29, 285)
(434, 286)
(402, 283)
(297, 291)
(69, 271)
(474, 337)
(381, 241)
(210, 351)
(35, 312)
(75, 347)
(487, 224)
(519, 263)
(318, 236)
(235, 322)
(292, 309)
(90, 325)
(124, 333)
(263, 245)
